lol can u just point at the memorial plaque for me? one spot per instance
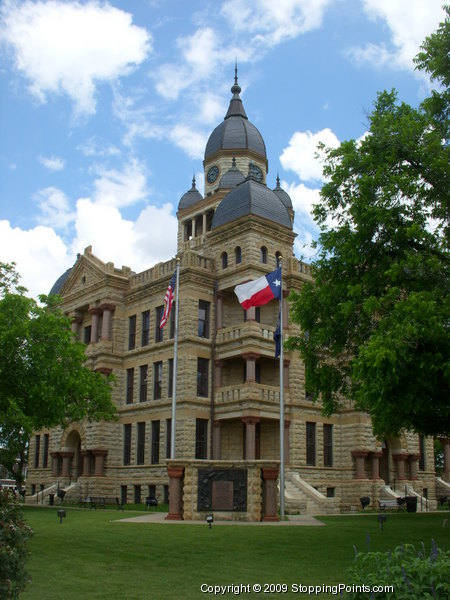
(222, 495)
(222, 489)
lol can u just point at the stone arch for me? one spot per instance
(68, 434)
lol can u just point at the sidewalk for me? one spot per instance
(292, 520)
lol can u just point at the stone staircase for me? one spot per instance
(42, 496)
(387, 493)
(301, 497)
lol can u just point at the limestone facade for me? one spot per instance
(228, 392)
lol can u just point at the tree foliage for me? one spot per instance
(375, 321)
(44, 380)
(14, 534)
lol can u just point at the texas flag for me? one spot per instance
(260, 291)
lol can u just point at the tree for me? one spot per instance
(375, 320)
(44, 380)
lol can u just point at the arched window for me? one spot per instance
(237, 255)
(263, 255)
(224, 260)
(277, 259)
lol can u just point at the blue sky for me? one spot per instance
(106, 107)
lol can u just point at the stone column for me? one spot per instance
(175, 490)
(108, 309)
(99, 454)
(94, 325)
(85, 454)
(251, 314)
(218, 364)
(270, 477)
(250, 359)
(359, 456)
(413, 465)
(250, 437)
(375, 456)
(193, 228)
(217, 440)
(446, 448)
(76, 322)
(400, 459)
(204, 223)
(219, 310)
(66, 463)
(55, 458)
(287, 444)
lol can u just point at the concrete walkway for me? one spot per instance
(292, 520)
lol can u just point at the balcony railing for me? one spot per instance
(249, 393)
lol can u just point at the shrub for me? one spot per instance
(14, 534)
(412, 573)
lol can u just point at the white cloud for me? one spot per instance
(93, 147)
(189, 139)
(151, 238)
(55, 208)
(39, 253)
(52, 163)
(272, 23)
(121, 188)
(69, 47)
(409, 22)
(299, 156)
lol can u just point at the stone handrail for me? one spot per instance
(227, 334)
(254, 391)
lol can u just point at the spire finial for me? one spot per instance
(278, 180)
(235, 72)
(233, 162)
(193, 181)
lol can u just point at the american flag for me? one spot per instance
(168, 300)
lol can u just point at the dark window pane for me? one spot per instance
(143, 375)
(130, 385)
(202, 377)
(145, 328)
(327, 445)
(157, 380)
(127, 444)
(158, 331)
(203, 319)
(201, 438)
(155, 443)
(140, 454)
(132, 332)
(311, 444)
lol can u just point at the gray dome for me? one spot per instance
(251, 198)
(57, 286)
(235, 132)
(190, 197)
(282, 195)
(231, 178)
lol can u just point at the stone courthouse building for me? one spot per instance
(228, 394)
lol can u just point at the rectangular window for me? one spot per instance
(137, 494)
(37, 450)
(130, 385)
(172, 321)
(87, 334)
(168, 437)
(157, 380)
(159, 311)
(170, 379)
(46, 444)
(155, 443)
(127, 444)
(201, 438)
(123, 494)
(145, 336)
(140, 450)
(422, 452)
(132, 332)
(311, 444)
(327, 445)
(143, 373)
(152, 490)
(202, 377)
(203, 319)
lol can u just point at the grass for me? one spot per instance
(92, 555)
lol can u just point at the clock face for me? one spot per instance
(256, 172)
(212, 174)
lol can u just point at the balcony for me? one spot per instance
(249, 336)
(235, 401)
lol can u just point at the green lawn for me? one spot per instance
(91, 555)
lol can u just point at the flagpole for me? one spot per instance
(175, 365)
(281, 397)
